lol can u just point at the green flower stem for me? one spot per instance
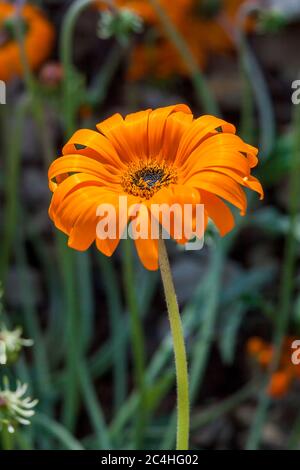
(138, 341)
(183, 411)
(204, 333)
(202, 90)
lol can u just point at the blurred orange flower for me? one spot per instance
(263, 352)
(150, 157)
(196, 20)
(39, 38)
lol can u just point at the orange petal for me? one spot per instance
(201, 129)
(129, 137)
(148, 253)
(280, 383)
(176, 126)
(76, 203)
(147, 249)
(221, 185)
(234, 162)
(220, 214)
(83, 233)
(174, 219)
(108, 246)
(71, 184)
(252, 183)
(220, 150)
(80, 164)
(157, 126)
(248, 181)
(96, 146)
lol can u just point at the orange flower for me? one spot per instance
(196, 20)
(39, 38)
(151, 157)
(280, 384)
(254, 346)
(283, 378)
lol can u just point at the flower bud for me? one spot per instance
(121, 24)
(11, 343)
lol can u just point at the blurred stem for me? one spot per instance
(93, 407)
(101, 361)
(103, 80)
(66, 48)
(117, 330)
(247, 115)
(258, 83)
(183, 411)
(11, 188)
(6, 439)
(138, 340)
(201, 87)
(32, 324)
(34, 94)
(286, 290)
(263, 99)
(73, 348)
(205, 335)
(86, 299)
(53, 286)
(219, 409)
(58, 431)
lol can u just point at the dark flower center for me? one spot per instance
(146, 179)
(149, 176)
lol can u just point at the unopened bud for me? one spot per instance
(121, 24)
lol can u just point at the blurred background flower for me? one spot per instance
(287, 372)
(15, 407)
(196, 20)
(11, 343)
(34, 26)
